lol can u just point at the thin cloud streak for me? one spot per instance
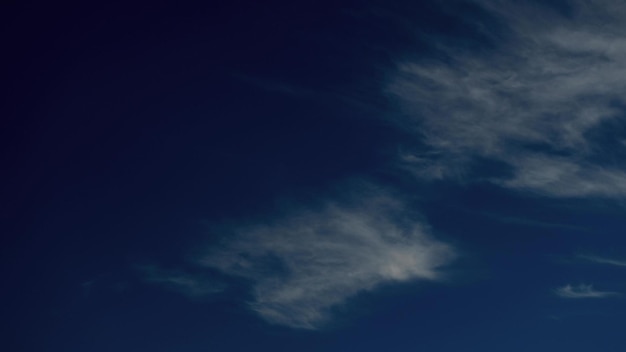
(582, 291)
(532, 104)
(521, 221)
(601, 260)
(194, 286)
(304, 265)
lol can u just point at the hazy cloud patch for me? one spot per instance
(304, 264)
(533, 102)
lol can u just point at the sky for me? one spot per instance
(313, 176)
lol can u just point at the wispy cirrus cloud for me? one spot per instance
(582, 291)
(603, 260)
(188, 284)
(305, 264)
(536, 102)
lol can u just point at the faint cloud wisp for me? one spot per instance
(602, 260)
(193, 286)
(582, 291)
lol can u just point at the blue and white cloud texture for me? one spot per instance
(303, 265)
(535, 102)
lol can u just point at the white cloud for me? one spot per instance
(304, 265)
(602, 260)
(531, 103)
(565, 177)
(582, 291)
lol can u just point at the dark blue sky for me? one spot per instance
(313, 176)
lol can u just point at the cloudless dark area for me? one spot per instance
(131, 131)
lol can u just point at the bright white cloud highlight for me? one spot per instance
(304, 265)
(533, 103)
(582, 291)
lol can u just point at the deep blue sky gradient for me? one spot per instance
(132, 131)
